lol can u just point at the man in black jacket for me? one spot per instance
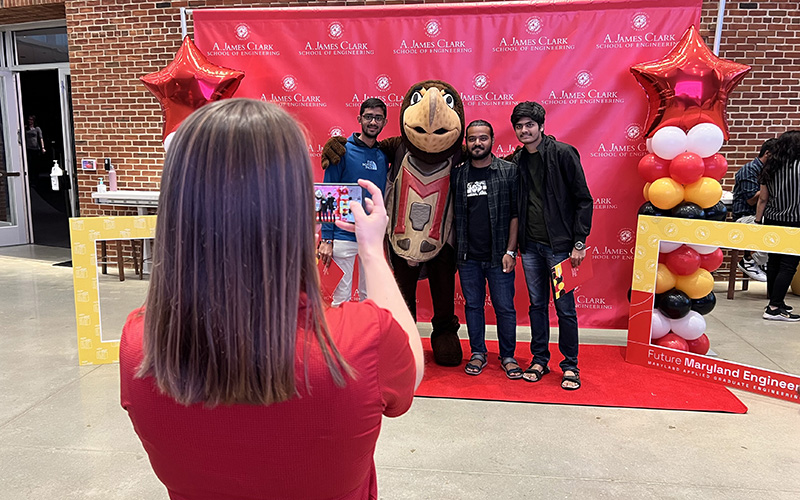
(555, 216)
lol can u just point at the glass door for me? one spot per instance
(13, 218)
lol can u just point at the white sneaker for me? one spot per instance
(749, 268)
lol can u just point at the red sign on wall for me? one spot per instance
(572, 57)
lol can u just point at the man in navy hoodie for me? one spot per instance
(363, 160)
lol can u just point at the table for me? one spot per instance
(142, 200)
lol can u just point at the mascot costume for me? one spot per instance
(420, 206)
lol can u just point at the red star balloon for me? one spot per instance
(690, 85)
(189, 82)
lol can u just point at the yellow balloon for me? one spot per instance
(796, 282)
(706, 192)
(665, 279)
(644, 192)
(696, 285)
(665, 193)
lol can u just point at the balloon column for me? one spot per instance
(684, 294)
(187, 83)
(686, 126)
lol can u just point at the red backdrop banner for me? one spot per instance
(572, 57)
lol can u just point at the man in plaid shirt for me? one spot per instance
(745, 197)
(484, 192)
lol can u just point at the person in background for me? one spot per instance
(745, 198)
(485, 217)
(239, 382)
(555, 217)
(779, 205)
(34, 151)
(363, 160)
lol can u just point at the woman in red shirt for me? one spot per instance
(239, 383)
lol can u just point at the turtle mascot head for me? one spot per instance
(432, 120)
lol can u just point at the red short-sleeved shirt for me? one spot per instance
(319, 445)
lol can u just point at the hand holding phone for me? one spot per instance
(370, 222)
(332, 201)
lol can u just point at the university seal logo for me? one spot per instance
(289, 83)
(242, 31)
(383, 83)
(433, 28)
(480, 81)
(633, 132)
(335, 30)
(639, 21)
(533, 25)
(584, 78)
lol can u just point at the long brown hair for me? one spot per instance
(234, 260)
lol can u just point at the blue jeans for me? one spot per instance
(536, 262)
(474, 275)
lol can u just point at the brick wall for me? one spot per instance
(114, 42)
(25, 11)
(766, 36)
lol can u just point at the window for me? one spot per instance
(42, 46)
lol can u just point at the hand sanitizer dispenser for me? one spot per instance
(55, 173)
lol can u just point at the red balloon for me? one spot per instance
(189, 82)
(700, 345)
(652, 168)
(690, 85)
(686, 168)
(672, 341)
(683, 261)
(711, 261)
(716, 167)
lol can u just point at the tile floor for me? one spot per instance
(63, 434)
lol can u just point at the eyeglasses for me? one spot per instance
(369, 118)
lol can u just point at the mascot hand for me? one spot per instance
(333, 151)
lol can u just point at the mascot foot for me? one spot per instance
(447, 349)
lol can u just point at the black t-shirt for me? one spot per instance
(535, 229)
(479, 234)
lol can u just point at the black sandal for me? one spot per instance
(576, 379)
(474, 368)
(539, 373)
(512, 373)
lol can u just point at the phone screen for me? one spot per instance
(332, 201)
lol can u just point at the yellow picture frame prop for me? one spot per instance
(85, 232)
(650, 232)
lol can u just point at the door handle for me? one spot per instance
(10, 174)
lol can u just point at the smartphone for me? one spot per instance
(332, 201)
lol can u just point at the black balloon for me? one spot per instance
(688, 210)
(717, 212)
(657, 300)
(704, 305)
(674, 304)
(648, 208)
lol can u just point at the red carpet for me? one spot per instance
(607, 380)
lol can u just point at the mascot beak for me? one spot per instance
(431, 124)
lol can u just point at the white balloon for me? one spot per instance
(649, 144)
(669, 142)
(669, 246)
(660, 325)
(703, 249)
(704, 139)
(690, 327)
(168, 141)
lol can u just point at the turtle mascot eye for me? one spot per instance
(419, 204)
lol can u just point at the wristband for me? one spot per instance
(512, 253)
